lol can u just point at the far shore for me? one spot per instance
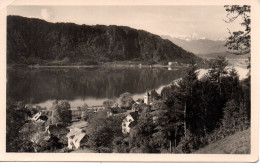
(102, 65)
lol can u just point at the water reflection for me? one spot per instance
(84, 85)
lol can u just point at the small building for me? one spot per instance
(173, 63)
(36, 116)
(75, 137)
(76, 134)
(129, 121)
(147, 98)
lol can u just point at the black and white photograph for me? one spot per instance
(129, 79)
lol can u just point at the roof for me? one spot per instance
(58, 129)
(74, 132)
(43, 117)
(134, 115)
(79, 124)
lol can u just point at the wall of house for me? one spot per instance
(125, 124)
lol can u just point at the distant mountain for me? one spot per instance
(200, 46)
(32, 40)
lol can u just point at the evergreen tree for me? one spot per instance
(188, 99)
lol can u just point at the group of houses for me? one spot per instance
(132, 116)
(76, 132)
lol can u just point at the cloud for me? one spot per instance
(46, 14)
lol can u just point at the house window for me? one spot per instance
(123, 131)
(130, 120)
(124, 125)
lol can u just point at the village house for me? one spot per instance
(75, 137)
(129, 121)
(77, 134)
(173, 63)
(39, 117)
(147, 98)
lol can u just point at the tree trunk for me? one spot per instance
(185, 130)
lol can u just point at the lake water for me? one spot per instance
(81, 85)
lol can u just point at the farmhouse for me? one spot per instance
(129, 121)
(75, 137)
(76, 134)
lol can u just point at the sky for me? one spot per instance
(185, 22)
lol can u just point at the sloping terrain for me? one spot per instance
(239, 143)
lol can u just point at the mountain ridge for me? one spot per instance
(31, 40)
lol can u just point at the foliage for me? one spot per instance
(103, 131)
(109, 103)
(61, 112)
(141, 133)
(239, 41)
(155, 95)
(85, 114)
(125, 100)
(16, 117)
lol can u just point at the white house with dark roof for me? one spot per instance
(76, 134)
(129, 121)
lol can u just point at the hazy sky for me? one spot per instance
(178, 21)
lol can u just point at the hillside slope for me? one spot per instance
(239, 143)
(29, 38)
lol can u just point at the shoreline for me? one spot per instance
(102, 65)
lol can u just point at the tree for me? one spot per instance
(84, 112)
(141, 133)
(167, 94)
(235, 117)
(188, 99)
(17, 116)
(217, 71)
(126, 100)
(61, 112)
(239, 41)
(155, 95)
(109, 103)
(103, 131)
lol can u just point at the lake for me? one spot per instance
(90, 85)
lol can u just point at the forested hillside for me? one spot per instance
(35, 41)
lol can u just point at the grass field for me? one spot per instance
(239, 143)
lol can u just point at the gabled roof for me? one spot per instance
(134, 115)
(74, 132)
(79, 124)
